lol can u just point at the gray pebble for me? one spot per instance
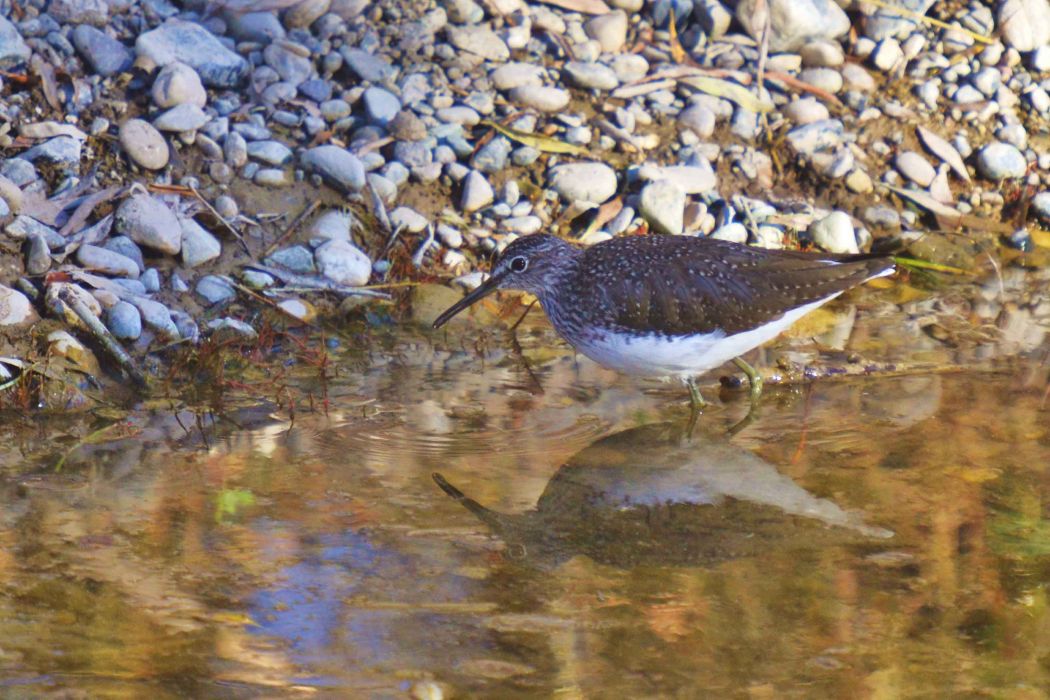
(150, 279)
(662, 204)
(157, 317)
(106, 55)
(381, 105)
(999, 161)
(588, 181)
(144, 144)
(343, 263)
(477, 192)
(177, 83)
(834, 233)
(296, 258)
(124, 321)
(591, 76)
(272, 152)
(540, 97)
(198, 245)
(149, 222)
(230, 330)
(337, 166)
(214, 289)
(916, 168)
(182, 117)
(492, 157)
(179, 40)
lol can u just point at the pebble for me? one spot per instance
(793, 22)
(458, 115)
(540, 97)
(13, 49)
(38, 257)
(662, 204)
(11, 194)
(198, 245)
(733, 232)
(916, 168)
(124, 321)
(343, 263)
(177, 83)
(181, 117)
(690, 179)
(381, 105)
(1041, 205)
(591, 76)
(999, 161)
(230, 330)
(806, 111)
(514, 75)
(126, 247)
(106, 55)
(492, 157)
(337, 166)
(822, 53)
(477, 192)
(479, 40)
(61, 150)
(15, 307)
(271, 152)
(834, 233)
(215, 289)
(156, 316)
(107, 262)
(609, 30)
(887, 55)
(368, 66)
(192, 44)
(408, 219)
(585, 182)
(1024, 24)
(149, 222)
(523, 225)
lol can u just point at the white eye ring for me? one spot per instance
(519, 264)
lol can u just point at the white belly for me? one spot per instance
(683, 356)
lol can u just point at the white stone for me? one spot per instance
(662, 204)
(477, 192)
(610, 30)
(15, 308)
(834, 233)
(584, 182)
(343, 263)
(176, 84)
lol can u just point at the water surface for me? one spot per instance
(451, 522)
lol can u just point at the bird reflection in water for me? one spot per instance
(654, 496)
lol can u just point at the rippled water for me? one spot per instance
(454, 524)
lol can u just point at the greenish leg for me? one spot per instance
(753, 377)
(696, 401)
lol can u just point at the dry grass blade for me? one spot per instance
(46, 73)
(730, 91)
(802, 86)
(540, 143)
(936, 145)
(83, 211)
(677, 52)
(905, 12)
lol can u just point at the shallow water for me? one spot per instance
(444, 526)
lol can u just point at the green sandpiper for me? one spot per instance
(672, 306)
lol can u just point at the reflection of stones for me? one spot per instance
(650, 496)
(903, 401)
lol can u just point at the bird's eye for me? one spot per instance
(518, 264)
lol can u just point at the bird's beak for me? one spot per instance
(484, 289)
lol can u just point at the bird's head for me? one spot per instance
(530, 263)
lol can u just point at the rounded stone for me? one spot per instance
(834, 233)
(144, 144)
(176, 84)
(540, 97)
(587, 182)
(124, 321)
(343, 263)
(999, 161)
(916, 168)
(662, 204)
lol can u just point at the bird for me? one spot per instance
(671, 306)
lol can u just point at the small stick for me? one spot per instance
(291, 227)
(227, 224)
(102, 334)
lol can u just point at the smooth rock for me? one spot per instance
(13, 49)
(343, 263)
(477, 192)
(584, 182)
(38, 257)
(609, 30)
(192, 44)
(181, 118)
(806, 111)
(540, 97)
(479, 40)
(177, 83)
(337, 166)
(126, 247)
(408, 219)
(662, 204)
(834, 233)
(230, 330)
(149, 222)
(215, 289)
(793, 22)
(822, 53)
(368, 66)
(1041, 206)
(285, 58)
(270, 152)
(104, 54)
(1024, 24)
(914, 167)
(124, 321)
(591, 76)
(61, 150)
(15, 307)
(156, 316)
(887, 55)
(733, 232)
(514, 75)
(11, 194)
(235, 150)
(107, 262)
(144, 144)
(690, 179)
(999, 161)
(698, 119)
(198, 244)
(381, 105)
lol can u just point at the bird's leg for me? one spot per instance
(696, 401)
(753, 378)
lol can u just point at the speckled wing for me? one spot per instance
(678, 285)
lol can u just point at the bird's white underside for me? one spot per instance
(688, 356)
